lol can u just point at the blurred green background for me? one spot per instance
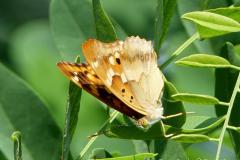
(27, 47)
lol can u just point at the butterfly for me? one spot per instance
(122, 74)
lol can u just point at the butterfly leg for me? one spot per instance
(176, 115)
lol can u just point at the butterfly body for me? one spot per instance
(123, 74)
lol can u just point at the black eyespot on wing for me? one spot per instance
(118, 61)
(123, 90)
(131, 97)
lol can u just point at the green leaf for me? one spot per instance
(205, 60)
(69, 25)
(195, 124)
(72, 110)
(17, 140)
(100, 153)
(21, 109)
(223, 92)
(164, 13)
(211, 24)
(133, 132)
(190, 138)
(213, 21)
(172, 107)
(195, 98)
(231, 12)
(104, 28)
(201, 124)
(141, 156)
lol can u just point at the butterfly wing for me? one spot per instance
(129, 66)
(105, 59)
(145, 78)
(85, 77)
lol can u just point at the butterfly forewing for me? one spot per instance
(84, 76)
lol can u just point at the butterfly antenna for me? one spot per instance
(176, 115)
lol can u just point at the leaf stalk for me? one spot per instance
(225, 126)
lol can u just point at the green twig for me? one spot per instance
(234, 128)
(179, 50)
(225, 126)
(93, 138)
(223, 103)
(17, 138)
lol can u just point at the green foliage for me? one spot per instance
(204, 60)
(70, 26)
(74, 21)
(72, 110)
(212, 24)
(224, 92)
(140, 156)
(164, 13)
(104, 27)
(195, 98)
(23, 110)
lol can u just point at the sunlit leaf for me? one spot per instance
(212, 24)
(195, 98)
(205, 60)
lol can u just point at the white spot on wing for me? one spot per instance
(123, 77)
(75, 78)
(117, 55)
(110, 72)
(111, 60)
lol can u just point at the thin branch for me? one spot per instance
(225, 126)
(224, 103)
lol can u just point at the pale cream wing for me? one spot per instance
(145, 78)
(106, 60)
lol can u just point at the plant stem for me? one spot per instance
(235, 67)
(92, 139)
(225, 126)
(223, 103)
(179, 50)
